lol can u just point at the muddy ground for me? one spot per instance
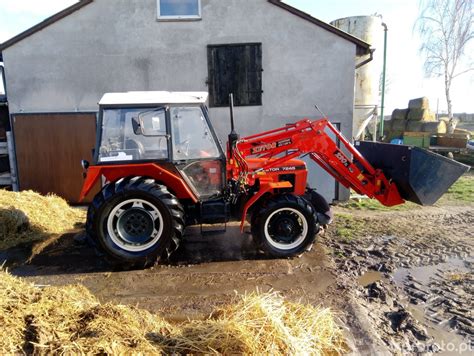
(401, 281)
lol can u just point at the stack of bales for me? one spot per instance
(417, 118)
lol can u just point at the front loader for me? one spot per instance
(163, 169)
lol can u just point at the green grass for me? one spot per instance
(462, 190)
(375, 205)
(347, 227)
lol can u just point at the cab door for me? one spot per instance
(196, 151)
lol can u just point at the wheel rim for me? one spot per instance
(286, 228)
(135, 225)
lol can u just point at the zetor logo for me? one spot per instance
(342, 158)
(271, 146)
(267, 147)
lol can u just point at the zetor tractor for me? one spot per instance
(163, 169)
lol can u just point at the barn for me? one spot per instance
(277, 60)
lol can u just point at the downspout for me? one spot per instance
(370, 59)
(383, 78)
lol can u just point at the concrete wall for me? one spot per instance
(118, 45)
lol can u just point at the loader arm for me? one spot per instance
(312, 138)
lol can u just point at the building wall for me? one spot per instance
(118, 45)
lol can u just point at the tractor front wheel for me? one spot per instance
(135, 222)
(285, 226)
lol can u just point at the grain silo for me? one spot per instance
(370, 30)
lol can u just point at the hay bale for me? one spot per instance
(414, 126)
(419, 103)
(70, 320)
(437, 127)
(421, 115)
(399, 114)
(397, 125)
(28, 216)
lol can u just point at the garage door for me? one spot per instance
(49, 148)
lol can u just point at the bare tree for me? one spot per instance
(445, 27)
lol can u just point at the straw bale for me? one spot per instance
(70, 320)
(264, 324)
(397, 125)
(414, 126)
(399, 114)
(438, 127)
(421, 115)
(419, 103)
(28, 216)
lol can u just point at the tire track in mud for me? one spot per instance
(409, 315)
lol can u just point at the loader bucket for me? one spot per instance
(421, 176)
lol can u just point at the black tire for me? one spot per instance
(135, 222)
(320, 205)
(284, 226)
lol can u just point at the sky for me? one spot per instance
(405, 75)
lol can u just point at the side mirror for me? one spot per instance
(85, 164)
(137, 129)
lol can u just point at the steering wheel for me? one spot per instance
(132, 144)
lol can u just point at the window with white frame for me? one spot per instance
(179, 9)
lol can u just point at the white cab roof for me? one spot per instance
(153, 97)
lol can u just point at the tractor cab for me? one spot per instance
(170, 129)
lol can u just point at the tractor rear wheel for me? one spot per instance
(134, 222)
(284, 226)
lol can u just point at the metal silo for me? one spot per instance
(370, 30)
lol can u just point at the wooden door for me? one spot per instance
(49, 150)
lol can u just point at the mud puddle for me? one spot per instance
(424, 274)
(369, 277)
(440, 297)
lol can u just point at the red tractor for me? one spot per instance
(162, 169)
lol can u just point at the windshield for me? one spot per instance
(120, 141)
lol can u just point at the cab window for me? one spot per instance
(122, 141)
(192, 138)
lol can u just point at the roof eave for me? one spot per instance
(45, 23)
(362, 47)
